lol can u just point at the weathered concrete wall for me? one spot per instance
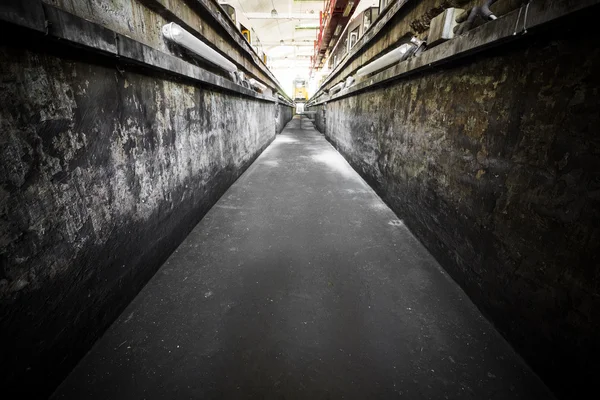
(284, 115)
(494, 164)
(320, 114)
(104, 169)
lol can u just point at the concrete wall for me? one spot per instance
(320, 113)
(102, 175)
(494, 163)
(105, 166)
(283, 116)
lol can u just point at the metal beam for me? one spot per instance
(288, 43)
(306, 16)
(291, 57)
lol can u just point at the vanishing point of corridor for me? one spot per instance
(301, 283)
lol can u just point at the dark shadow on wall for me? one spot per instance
(494, 164)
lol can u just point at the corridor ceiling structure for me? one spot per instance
(285, 30)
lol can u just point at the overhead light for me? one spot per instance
(337, 31)
(348, 8)
(177, 34)
(306, 26)
(273, 13)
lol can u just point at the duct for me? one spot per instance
(442, 26)
(399, 54)
(177, 34)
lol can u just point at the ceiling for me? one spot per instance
(286, 36)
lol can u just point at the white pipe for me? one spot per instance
(336, 88)
(257, 85)
(177, 34)
(390, 58)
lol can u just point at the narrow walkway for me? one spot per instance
(300, 283)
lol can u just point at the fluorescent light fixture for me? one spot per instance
(177, 34)
(386, 60)
(306, 26)
(348, 8)
(337, 88)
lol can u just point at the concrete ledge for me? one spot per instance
(211, 10)
(72, 30)
(26, 13)
(141, 54)
(69, 27)
(494, 33)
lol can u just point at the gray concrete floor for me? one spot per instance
(301, 283)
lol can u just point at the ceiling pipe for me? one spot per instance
(178, 35)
